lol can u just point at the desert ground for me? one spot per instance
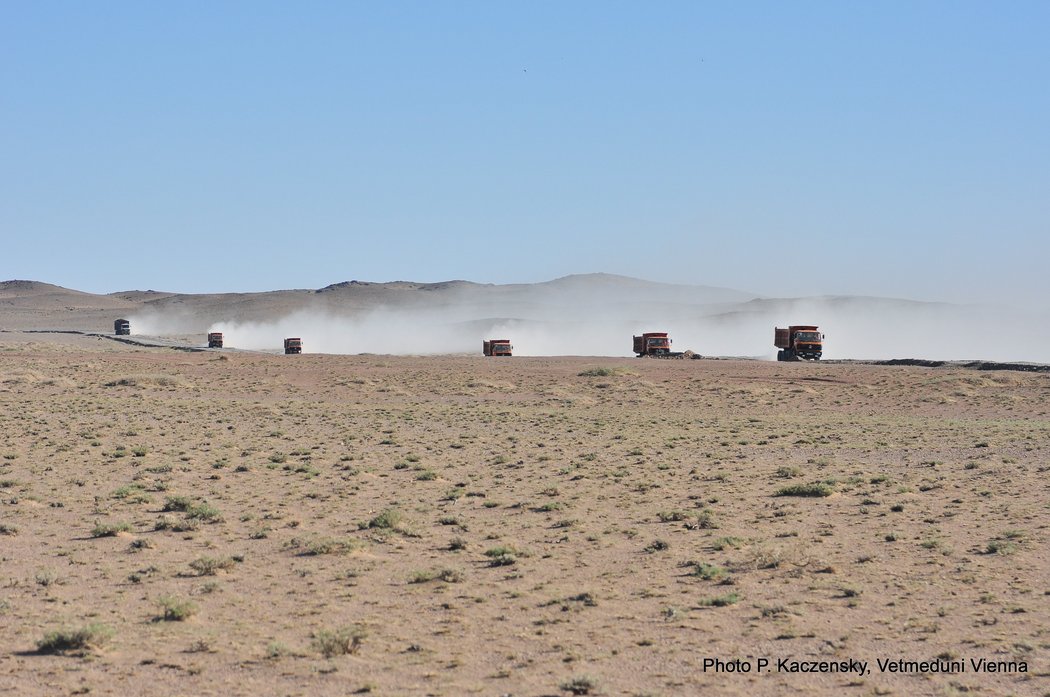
(236, 523)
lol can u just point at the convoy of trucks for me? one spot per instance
(795, 342)
(497, 347)
(798, 341)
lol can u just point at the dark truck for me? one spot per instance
(121, 327)
(798, 341)
(497, 347)
(293, 345)
(654, 345)
(214, 339)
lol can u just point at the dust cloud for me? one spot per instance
(871, 328)
(855, 328)
(166, 323)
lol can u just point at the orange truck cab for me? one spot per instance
(497, 347)
(798, 341)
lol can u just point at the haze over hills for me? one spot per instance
(589, 314)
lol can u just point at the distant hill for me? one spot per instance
(609, 284)
(33, 304)
(33, 296)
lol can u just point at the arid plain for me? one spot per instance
(225, 522)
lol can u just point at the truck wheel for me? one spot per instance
(780, 355)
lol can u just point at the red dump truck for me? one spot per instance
(654, 345)
(497, 347)
(293, 345)
(798, 341)
(214, 339)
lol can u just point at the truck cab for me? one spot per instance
(293, 345)
(808, 344)
(214, 339)
(657, 344)
(121, 327)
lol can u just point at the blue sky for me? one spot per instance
(896, 148)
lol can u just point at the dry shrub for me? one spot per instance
(145, 380)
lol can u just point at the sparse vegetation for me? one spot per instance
(110, 529)
(209, 566)
(720, 600)
(538, 510)
(390, 519)
(580, 685)
(705, 520)
(177, 503)
(165, 522)
(446, 575)
(503, 555)
(204, 512)
(1000, 547)
(174, 609)
(339, 642)
(154, 380)
(705, 571)
(597, 373)
(722, 543)
(86, 638)
(816, 489)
